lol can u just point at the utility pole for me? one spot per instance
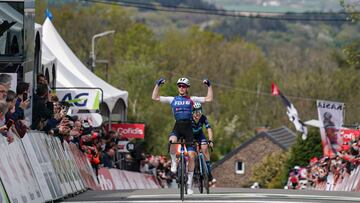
(93, 60)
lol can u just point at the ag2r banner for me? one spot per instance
(80, 98)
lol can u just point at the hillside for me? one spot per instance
(278, 5)
(242, 56)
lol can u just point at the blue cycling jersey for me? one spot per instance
(182, 107)
(197, 126)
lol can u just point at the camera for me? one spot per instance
(9, 123)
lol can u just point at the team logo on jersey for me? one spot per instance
(182, 102)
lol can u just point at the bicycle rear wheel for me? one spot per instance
(205, 175)
(200, 177)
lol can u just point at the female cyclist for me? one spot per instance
(182, 109)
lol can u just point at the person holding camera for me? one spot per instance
(42, 109)
(22, 100)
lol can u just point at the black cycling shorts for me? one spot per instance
(183, 129)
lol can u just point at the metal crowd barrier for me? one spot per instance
(39, 168)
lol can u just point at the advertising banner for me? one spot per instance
(331, 120)
(80, 98)
(5, 173)
(122, 146)
(106, 180)
(3, 197)
(33, 153)
(71, 168)
(43, 156)
(26, 175)
(57, 162)
(115, 179)
(16, 173)
(87, 173)
(129, 130)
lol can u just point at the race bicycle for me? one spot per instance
(201, 173)
(181, 169)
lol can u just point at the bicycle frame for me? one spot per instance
(181, 173)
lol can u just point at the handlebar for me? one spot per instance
(190, 143)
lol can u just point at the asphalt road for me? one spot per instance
(220, 195)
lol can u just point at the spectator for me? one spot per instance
(114, 136)
(88, 146)
(22, 100)
(42, 109)
(3, 128)
(75, 133)
(294, 180)
(11, 101)
(41, 79)
(5, 79)
(108, 157)
(3, 91)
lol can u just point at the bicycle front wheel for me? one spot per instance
(182, 177)
(205, 175)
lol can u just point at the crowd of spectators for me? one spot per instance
(12, 107)
(50, 115)
(329, 170)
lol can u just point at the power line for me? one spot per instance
(267, 94)
(221, 10)
(216, 12)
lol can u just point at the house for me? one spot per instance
(235, 168)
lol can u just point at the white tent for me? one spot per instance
(71, 72)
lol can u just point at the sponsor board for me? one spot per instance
(122, 146)
(80, 98)
(3, 197)
(115, 179)
(129, 130)
(34, 155)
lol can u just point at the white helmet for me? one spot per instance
(184, 81)
(197, 106)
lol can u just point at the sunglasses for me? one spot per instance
(197, 112)
(182, 86)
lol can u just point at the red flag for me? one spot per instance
(274, 90)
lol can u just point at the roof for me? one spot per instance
(283, 137)
(71, 72)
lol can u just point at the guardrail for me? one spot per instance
(38, 168)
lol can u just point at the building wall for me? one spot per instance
(253, 153)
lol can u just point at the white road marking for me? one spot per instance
(199, 198)
(195, 201)
(256, 195)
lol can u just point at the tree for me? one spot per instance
(268, 171)
(352, 51)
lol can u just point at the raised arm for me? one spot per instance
(155, 94)
(209, 96)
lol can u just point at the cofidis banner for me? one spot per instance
(80, 98)
(331, 120)
(129, 130)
